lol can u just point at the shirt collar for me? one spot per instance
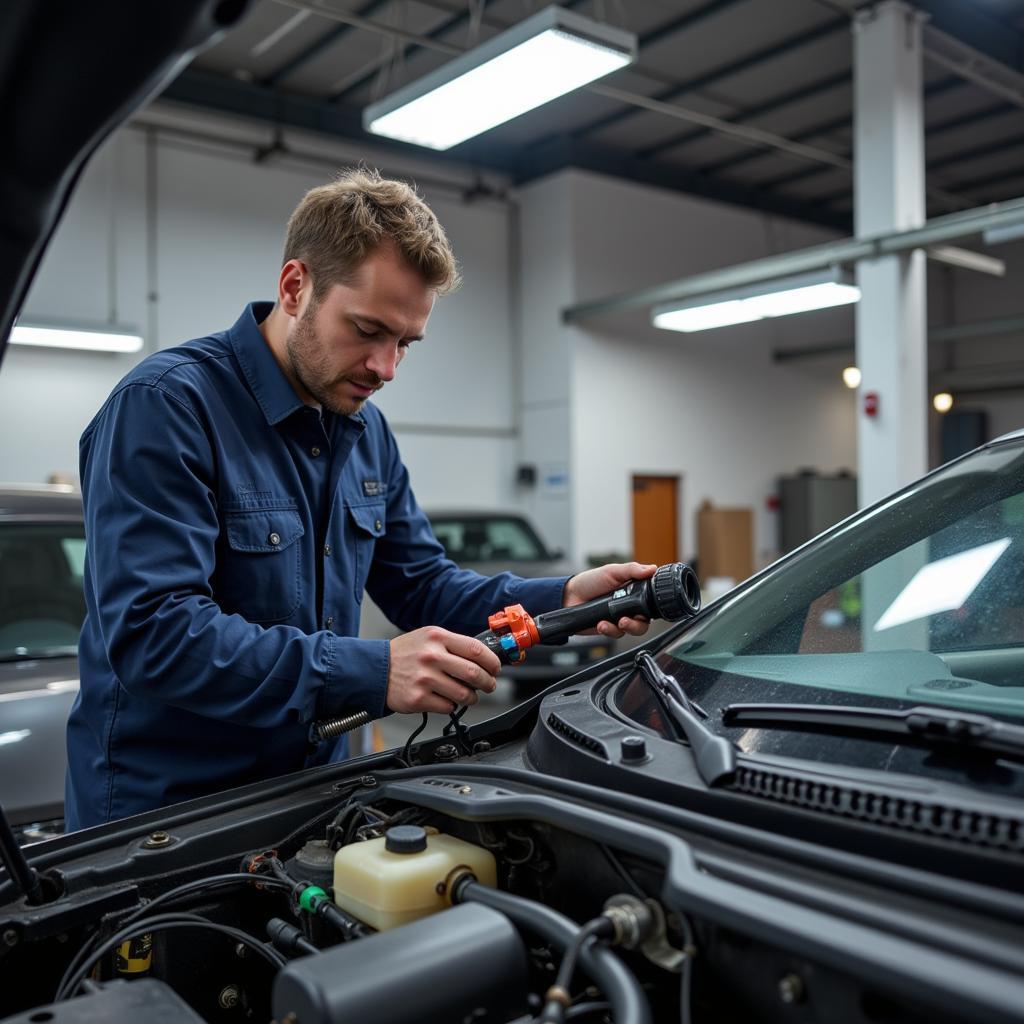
(267, 382)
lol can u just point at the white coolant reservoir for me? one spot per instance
(393, 880)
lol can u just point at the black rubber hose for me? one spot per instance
(620, 987)
(18, 867)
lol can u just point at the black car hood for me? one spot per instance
(69, 75)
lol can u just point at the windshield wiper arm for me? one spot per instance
(927, 726)
(714, 755)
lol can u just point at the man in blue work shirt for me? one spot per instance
(240, 492)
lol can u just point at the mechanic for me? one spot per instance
(240, 492)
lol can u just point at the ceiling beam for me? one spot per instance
(982, 31)
(318, 46)
(724, 71)
(961, 120)
(563, 153)
(230, 96)
(996, 178)
(796, 95)
(223, 95)
(987, 149)
(822, 128)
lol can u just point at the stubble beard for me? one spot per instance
(301, 345)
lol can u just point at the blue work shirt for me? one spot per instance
(231, 531)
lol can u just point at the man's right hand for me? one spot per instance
(434, 670)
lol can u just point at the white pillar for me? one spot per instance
(889, 195)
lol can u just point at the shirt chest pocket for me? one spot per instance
(261, 578)
(367, 524)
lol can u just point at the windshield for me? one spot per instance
(482, 540)
(41, 602)
(921, 600)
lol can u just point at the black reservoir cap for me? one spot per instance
(405, 839)
(634, 749)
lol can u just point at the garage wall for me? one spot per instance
(201, 230)
(712, 408)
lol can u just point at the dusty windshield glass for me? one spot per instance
(920, 601)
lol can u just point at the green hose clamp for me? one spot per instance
(311, 897)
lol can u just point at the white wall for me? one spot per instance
(219, 225)
(714, 409)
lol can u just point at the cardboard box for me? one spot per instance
(725, 542)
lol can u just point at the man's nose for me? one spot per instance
(384, 360)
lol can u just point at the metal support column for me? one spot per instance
(889, 195)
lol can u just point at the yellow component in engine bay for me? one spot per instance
(400, 877)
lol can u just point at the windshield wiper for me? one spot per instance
(714, 755)
(925, 726)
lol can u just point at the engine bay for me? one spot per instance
(537, 875)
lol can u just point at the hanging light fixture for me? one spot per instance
(852, 377)
(545, 56)
(101, 338)
(781, 297)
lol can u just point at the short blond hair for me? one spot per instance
(337, 226)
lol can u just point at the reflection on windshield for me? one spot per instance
(943, 586)
(918, 601)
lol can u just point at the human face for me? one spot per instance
(347, 346)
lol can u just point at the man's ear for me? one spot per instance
(293, 284)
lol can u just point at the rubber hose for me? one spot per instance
(620, 987)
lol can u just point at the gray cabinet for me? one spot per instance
(811, 502)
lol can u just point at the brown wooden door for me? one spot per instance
(656, 519)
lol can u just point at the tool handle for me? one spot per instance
(630, 600)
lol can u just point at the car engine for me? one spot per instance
(550, 865)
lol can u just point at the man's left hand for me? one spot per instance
(598, 582)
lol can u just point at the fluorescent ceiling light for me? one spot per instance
(545, 56)
(942, 586)
(105, 339)
(955, 256)
(781, 297)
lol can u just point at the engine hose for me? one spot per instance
(621, 989)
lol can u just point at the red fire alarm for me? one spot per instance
(871, 404)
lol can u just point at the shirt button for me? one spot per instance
(377, 525)
(314, 451)
(274, 538)
(327, 551)
(329, 621)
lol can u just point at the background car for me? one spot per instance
(42, 556)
